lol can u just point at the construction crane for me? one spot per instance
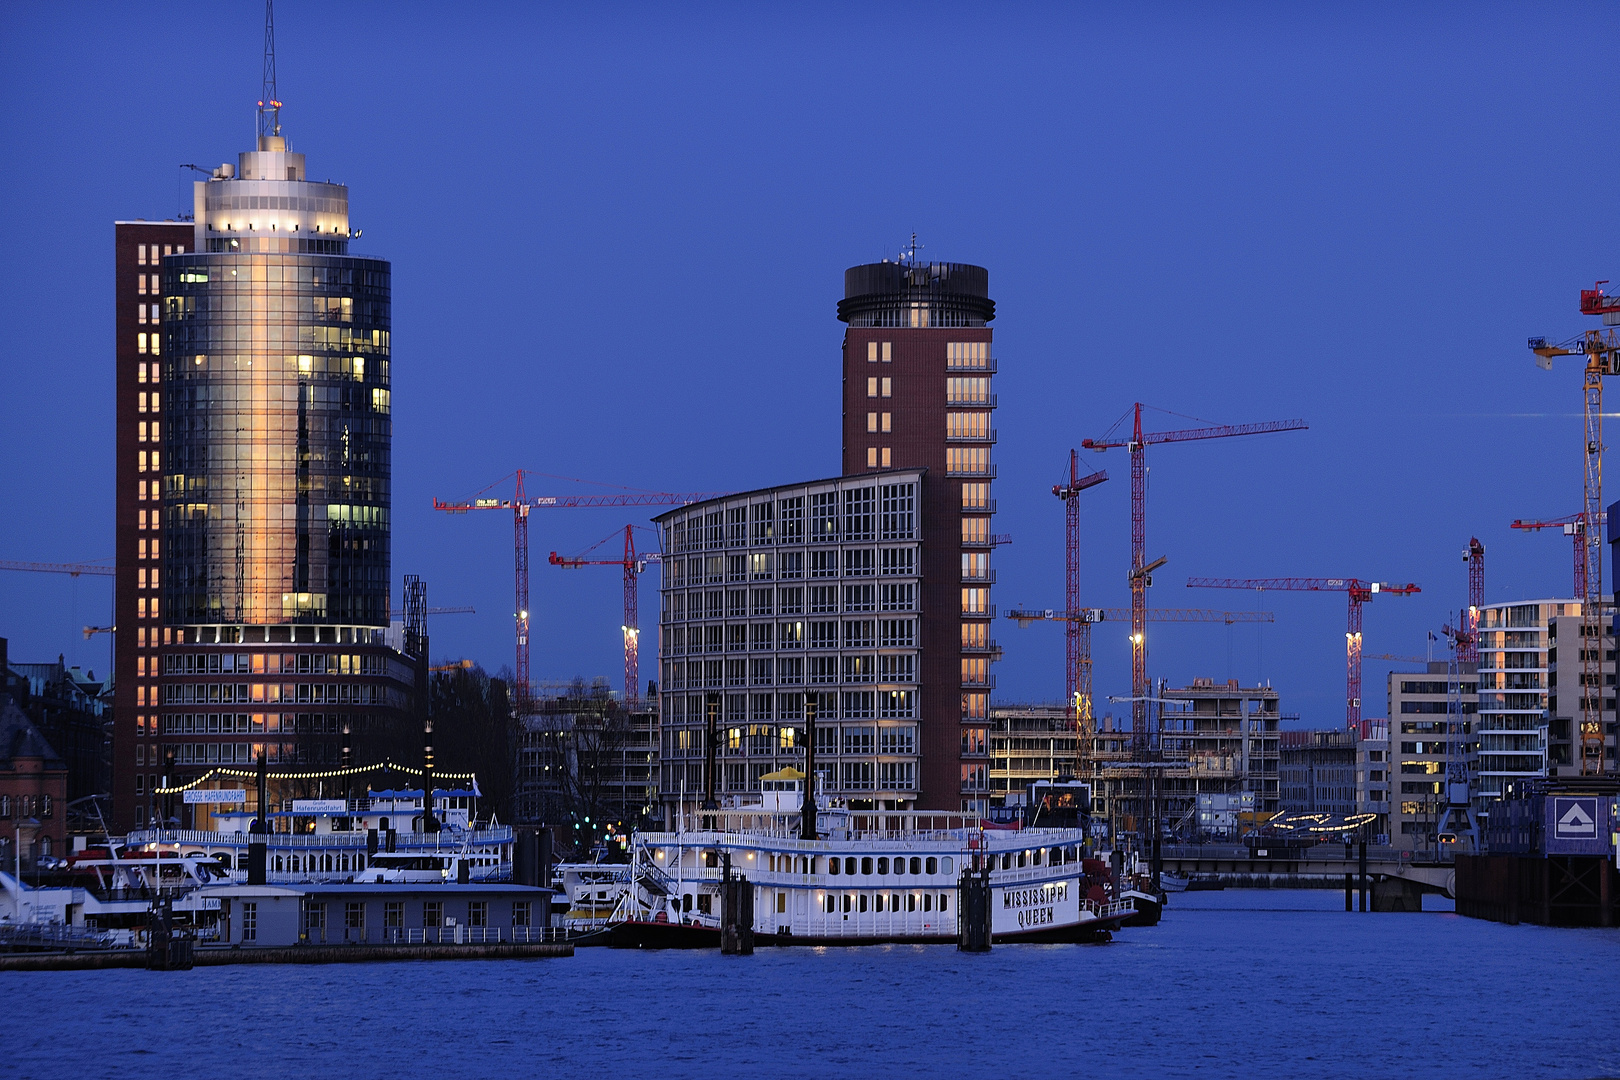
(1601, 350)
(1076, 632)
(1574, 527)
(1358, 591)
(1141, 572)
(73, 569)
(521, 504)
(1082, 619)
(633, 564)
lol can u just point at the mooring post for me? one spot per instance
(1349, 891)
(973, 909)
(1361, 858)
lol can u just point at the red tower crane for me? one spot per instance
(1601, 350)
(1574, 527)
(633, 565)
(1468, 639)
(1140, 571)
(521, 504)
(1359, 592)
(1077, 632)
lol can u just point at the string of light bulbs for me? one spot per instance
(386, 765)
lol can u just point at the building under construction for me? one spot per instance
(1215, 766)
(1216, 759)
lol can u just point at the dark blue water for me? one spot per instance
(1251, 984)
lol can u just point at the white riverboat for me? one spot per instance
(373, 838)
(869, 877)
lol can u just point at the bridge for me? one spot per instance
(1398, 879)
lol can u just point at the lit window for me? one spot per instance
(886, 354)
(871, 352)
(140, 254)
(872, 387)
(140, 341)
(887, 388)
(871, 457)
(872, 421)
(142, 460)
(140, 432)
(887, 422)
(886, 458)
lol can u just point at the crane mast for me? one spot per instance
(1600, 350)
(521, 504)
(1141, 571)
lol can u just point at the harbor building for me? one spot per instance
(1419, 737)
(917, 394)
(772, 599)
(33, 791)
(254, 493)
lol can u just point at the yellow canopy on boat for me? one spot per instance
(786, 773)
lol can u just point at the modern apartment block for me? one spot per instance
(917, 395)
(1420, 737)
(254, 470)
(1515, 653)
(1565, 671)
(772, 598)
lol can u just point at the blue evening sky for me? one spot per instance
(619, 231)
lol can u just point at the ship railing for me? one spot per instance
(1107, 908)
(446, 841)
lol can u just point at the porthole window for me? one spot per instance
(883, 864)
(933, 865)
(832, 866)
(916, 865)
(849, 866)
(866, 866)
(948, 865)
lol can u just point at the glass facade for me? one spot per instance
(276, 447)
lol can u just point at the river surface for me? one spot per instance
(1230, 984)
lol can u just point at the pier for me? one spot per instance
(290, 954)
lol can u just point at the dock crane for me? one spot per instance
(1359, 592)
(522, 504)
(1601, 351)
(1140, 572)
(633, 565)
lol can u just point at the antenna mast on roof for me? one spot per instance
(269, 104)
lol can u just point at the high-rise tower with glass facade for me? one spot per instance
(266, 527)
